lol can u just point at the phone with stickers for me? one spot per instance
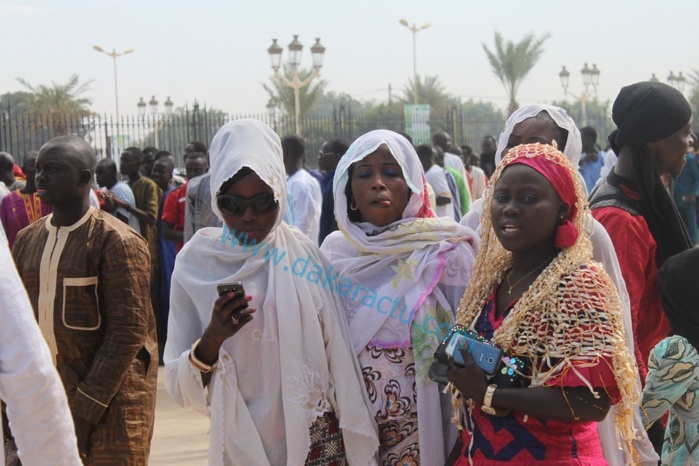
(502, 369)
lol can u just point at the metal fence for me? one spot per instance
(22, 133)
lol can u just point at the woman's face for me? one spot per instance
(525, 210)
(256, 226)
(530, 131)
(668, 154)
(378, 188)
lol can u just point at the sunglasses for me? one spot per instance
(236, 206)
(323, 154)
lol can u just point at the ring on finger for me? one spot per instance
(234, 320)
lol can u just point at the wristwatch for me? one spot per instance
(488, 399)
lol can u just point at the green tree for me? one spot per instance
(283, 95)
(58, 101)
(429, 91)
(511, 62)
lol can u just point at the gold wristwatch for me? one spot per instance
(488, 399)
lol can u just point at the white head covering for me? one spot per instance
(253, 144)
(298, 328)
(573, 147)
(419, 261)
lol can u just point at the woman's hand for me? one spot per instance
(230, 314)
(470, 380)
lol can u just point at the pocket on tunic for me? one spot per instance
(81, 304)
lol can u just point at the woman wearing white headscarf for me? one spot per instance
(402, 272)
(563, 130)
(279, 381)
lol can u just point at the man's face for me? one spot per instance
(128, 164)
(326, 158)
(488, 145)
(102, 176)
(161, 174)
(195, 167)
(148, 161)
(28, 167)
(59, 177)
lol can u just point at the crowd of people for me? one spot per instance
(300, 309)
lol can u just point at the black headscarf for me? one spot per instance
(679, 293)
(647, 112)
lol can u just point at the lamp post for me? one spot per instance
(153, 107)
(414, 29)
(114, 54)
(295, 49)
(590, 77)
(677, 82)
(272, 112)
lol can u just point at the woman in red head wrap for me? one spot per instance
(538, 296)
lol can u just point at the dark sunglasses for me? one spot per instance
(236, 206)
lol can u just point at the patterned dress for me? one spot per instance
(673, 385)
(389, 375)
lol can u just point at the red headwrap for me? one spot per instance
(553, 165)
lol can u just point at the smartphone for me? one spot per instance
(232, 287)
(486, 356)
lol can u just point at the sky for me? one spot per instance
(215, 51)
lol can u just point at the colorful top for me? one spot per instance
(19, 210)
(673, 385)
(518, 439)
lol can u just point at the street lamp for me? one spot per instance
(414, 29)
(677, 82)
(153, 108)
(114, 54)
(590, 78)
(295, 48)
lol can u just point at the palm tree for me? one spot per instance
(512, 62)
(429, 91)
(58, 101)
(283, 95)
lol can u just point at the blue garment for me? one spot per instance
(590, 170)
(167, 251)
(686, 184)
(328, 224)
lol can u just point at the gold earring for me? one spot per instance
(353, 205)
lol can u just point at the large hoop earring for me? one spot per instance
(353, 205)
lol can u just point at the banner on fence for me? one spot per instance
(119, 143)
(417, 123)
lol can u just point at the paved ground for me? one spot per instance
(181, 435)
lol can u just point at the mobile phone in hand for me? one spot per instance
(231, 287)
(486, 356)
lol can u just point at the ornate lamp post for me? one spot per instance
(414, 29)
(677, 82)
(153, 108)
(590, 77)
(114, 55)
(295, 48)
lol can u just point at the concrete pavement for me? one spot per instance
(181, 435)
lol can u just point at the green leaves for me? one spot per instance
(511, 62)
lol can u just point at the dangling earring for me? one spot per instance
(353, 205)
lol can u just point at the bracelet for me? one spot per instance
(488, 399)
(199, 365)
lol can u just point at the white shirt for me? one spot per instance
(36, 400)
(122, 191)
(437, 179)
(306, 202)
(479, 182)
